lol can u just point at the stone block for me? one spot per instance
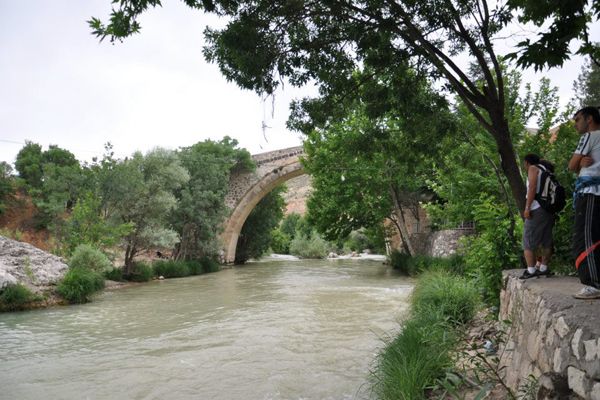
(576, 343)
(577, 381)
(591, 349)
(561, 327)
(595, 392)
(560, 360)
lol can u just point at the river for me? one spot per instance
(275, 329)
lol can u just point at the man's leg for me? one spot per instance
(585, 244)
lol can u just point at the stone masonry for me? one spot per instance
(552, 336)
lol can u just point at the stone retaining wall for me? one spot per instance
(552, 337)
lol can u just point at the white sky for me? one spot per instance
(59, 85)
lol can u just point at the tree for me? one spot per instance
(6, 183)
(199, 218)
(266, 42)
(255, 236)
(29, 164)
(153, 179)
(587, 86)
(563, 22)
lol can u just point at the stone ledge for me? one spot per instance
(551, 332)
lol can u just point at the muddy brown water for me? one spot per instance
(275, 329)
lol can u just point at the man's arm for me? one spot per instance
(532, 175)
(575, 162)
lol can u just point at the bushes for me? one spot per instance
(308, 247)
(177, 269)
(171, 269)
(87, 257)
(454, 297)
(15, 297)
(140, 272)
(418, 264)
(79, 284)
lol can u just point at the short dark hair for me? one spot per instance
(590, 112)
(532, 159)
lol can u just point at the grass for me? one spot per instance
(15, 297)
(423, 351)
(453, 296)
(411, 362)
(415, 265)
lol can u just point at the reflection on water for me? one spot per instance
(279, 329)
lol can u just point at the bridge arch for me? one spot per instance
(270, 173)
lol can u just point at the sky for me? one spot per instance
(60, 85)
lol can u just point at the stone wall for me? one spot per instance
(552, 337)
(445, 243)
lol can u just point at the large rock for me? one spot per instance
(23, 263)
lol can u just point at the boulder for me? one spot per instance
(23, 263)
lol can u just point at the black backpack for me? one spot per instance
(550, 194)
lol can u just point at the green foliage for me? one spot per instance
(115, 274)
(29, 164)
(414, 359)
(495, 247)
(79, 284)
(209, 265)
(256, 234)
(587, 86)
(289, 224)
(309, 247)
(6, 183)
(560, 23)
(280, 242)
(90, 258)
(15, 297)
(139, 272)
(86, 225)
(171, 268)
(453, 296)
(416, 265)
(201, 209)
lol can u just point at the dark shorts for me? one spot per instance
(537, 231)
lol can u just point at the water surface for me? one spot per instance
(278, 329)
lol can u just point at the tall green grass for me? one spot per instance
(453, 296)
(422, 351)
(15, 297)
(412, 361)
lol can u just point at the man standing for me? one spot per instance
(537, 231)
(586, 238)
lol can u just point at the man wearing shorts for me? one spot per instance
(537, 230)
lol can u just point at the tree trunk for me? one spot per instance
(509, 163)
(401, 224)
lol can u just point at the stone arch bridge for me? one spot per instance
(247, 189)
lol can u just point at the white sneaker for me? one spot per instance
(588, 292)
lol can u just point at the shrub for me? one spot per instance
(418, 264)
(87, 257)
(140, 272)
(171, 268)
(308, 247)
(209, 265)
(115, 274)
(79, 284)
(453, 296)
(411, 362)
(15, 297)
